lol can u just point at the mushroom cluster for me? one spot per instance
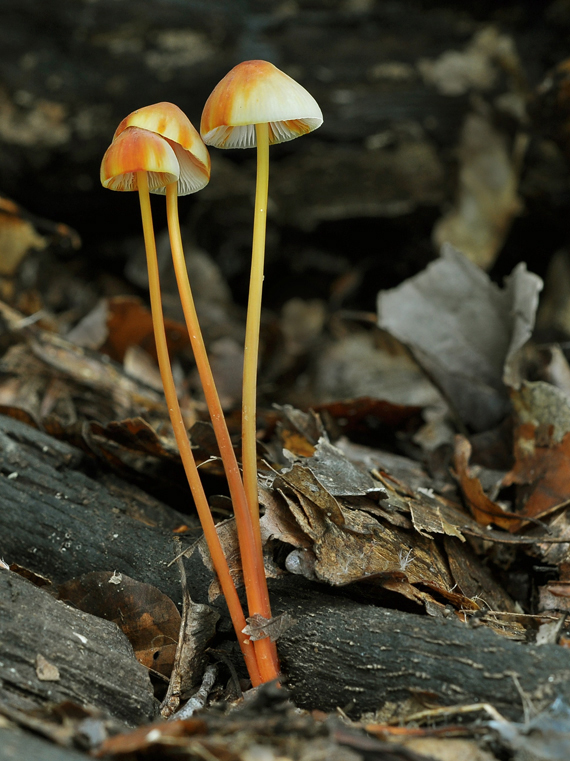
(156, 149)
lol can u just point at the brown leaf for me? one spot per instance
(227, 533)
(18, 236)
(277, 522)
(337, 473)
(129, 323)
(305, 482)
(36, 578)
(357, 413)
(296, 443)
(298, 431)
(363, 547)
(145, 737)
(429, 517)
(473, 578)
(259, 627)
(197, 628)
(555, 596)
(484, 510)
(148, 617)
(542, 469)
(135, 434)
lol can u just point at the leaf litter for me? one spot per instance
(339, 508)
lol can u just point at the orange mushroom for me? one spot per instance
(256, 104)
(168, 121)
(140, 159)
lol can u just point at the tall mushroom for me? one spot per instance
(168, 121)
(256, 104)
(140, 159)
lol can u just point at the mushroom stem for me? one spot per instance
(212, 539)
(249, 538)
(251, 350)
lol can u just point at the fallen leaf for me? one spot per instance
(259, 627)
(146, 615)
(555, 596)
(464, 330)
(337, 473)
(355, 415)
(118, 323)
(541, 470)
(17, 238)
(197, 629)
(306, 483)
(487, 200)
(150, 735)
(484, 510)
(372, 366)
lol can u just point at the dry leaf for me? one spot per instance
(464, 330)
(259, 627)
(146, 615)
(484, 510)
(542, 471)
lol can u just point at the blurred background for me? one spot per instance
(443, 121)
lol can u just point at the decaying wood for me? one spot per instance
(358, 657)
(52, 653)
(19, 745)
(59, 522)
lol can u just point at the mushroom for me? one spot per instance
(140, 159)
(168, 121)
(256, 104)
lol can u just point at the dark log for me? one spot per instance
(18, 745)
(94, 662)
(59, 522)
(339, 653)
(358, 657)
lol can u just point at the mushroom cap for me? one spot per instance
(257, 92)
(138, 150)
(170, 122)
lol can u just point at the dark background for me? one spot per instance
(353, 206)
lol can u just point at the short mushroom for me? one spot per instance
(256, 104)
(140, 159)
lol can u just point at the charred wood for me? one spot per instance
(52, 653)
(358, 657)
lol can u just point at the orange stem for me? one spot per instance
(208, 526)
(249, 539)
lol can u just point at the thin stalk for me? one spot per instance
(249, 539)
(253, 324)
(211, 535)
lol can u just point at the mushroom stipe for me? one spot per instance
(133, 151)
(156, 149)
(218, 558)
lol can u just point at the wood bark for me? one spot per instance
(57, 521)
(94, 662)
(357, 657)
(18, 745)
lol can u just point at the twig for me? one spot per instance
(198, 700)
